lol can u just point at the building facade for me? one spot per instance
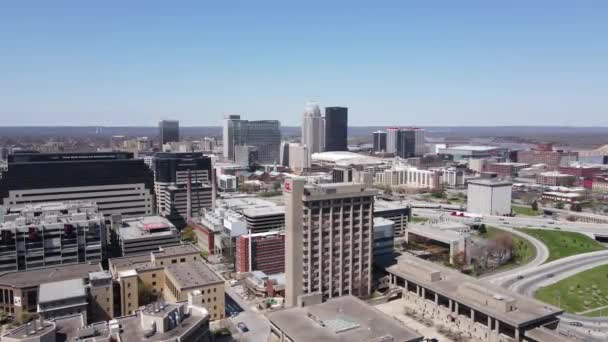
(263, 134)
(545, 154)
(489, 197)
(51, 234)
(379, 141)
(116, 182)
(555, 178)
(174, 174)
(329, 239)
(336, 128)
(168, 131)
(313, 129)
(299, 157)
(261, 252)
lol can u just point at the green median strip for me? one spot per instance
(563, 244)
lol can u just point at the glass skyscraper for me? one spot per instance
(336, 128)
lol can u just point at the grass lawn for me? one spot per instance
(524, 211)
(581, 292)
(418, 219)
(523, 250)
(564, 244)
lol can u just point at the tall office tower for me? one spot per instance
(263, 134)
(284, 153)
(51, 234)
(172, 173)
(168, 131)
(329, 239)
(404, 142)
(392, 136)
(380, 141)
(313, 128)
(115, 181)
(299, 157)
(336, 128)
(266, 136)
(231, 134)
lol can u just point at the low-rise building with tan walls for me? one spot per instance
(169, 274)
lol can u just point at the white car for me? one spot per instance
(233, 282)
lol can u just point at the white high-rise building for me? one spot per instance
(299, 157)
(313, 128)
(329, 239)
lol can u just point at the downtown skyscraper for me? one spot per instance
(329, 239)
(168, 131)
(313, 128)
(336, 128)
(265, 135)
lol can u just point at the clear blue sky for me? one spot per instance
(391, 62)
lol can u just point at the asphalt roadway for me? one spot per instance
(530, 277)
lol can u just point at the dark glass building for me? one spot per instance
(173, 167)
(171, 185)
(379, 140)
(168, 131)
(115, 181)
(336, 128)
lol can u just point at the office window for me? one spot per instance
(182, 260)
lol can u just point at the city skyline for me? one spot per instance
(472, 63)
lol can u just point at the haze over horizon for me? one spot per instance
(469, 63)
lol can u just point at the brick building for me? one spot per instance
(507, 169)
(545, 154)
(580, 172)
(267, 252)
(555, 178)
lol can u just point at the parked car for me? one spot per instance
(242, 327)
(576, 324)
(233, 282)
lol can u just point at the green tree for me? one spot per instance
(534, 205)
(188, 235)
(576, 207)
(559, 205)
(482, 229)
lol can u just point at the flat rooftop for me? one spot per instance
(381, 206)
(192, 274)
(136, 261)
(476, 148)
(340, 319)
(171, 251)
(515, 164)
(451, 283)
(434, 233)
(48, 275)
(132, 329)
(59, 290)
(146, 226)
(489, 182)
(255, 207)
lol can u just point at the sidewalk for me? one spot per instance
(395, 309)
